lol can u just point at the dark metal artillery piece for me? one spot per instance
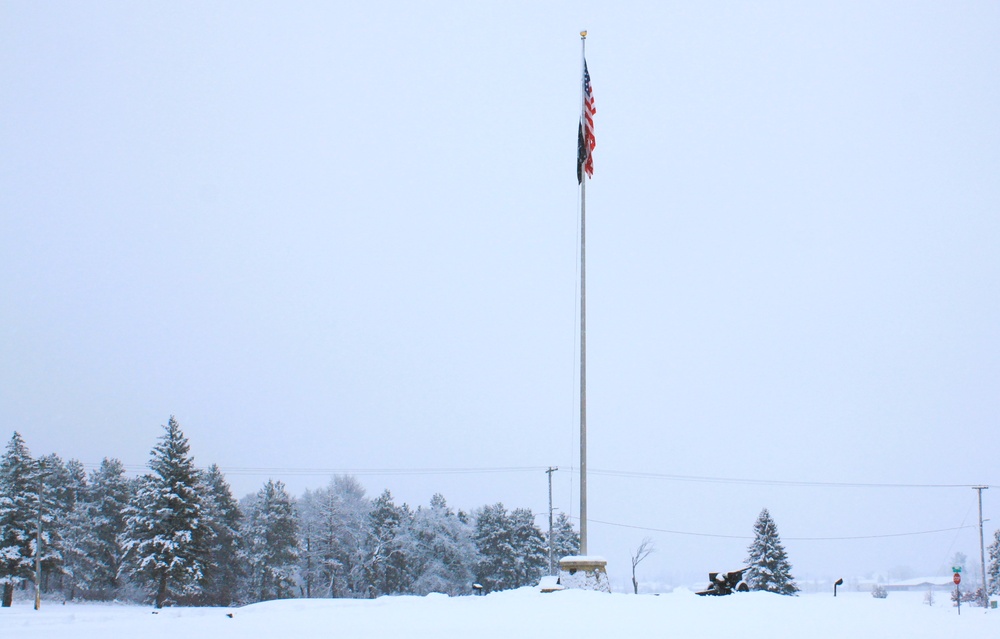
(724, 583)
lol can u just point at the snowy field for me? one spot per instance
(520, 613)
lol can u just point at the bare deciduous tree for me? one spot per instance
(644, 550)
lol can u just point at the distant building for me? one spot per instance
(917, 584)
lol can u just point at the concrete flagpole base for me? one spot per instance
(584, 573)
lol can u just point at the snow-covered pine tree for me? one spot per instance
(767, 561)
(76, 529)
(18, 514)
(222, 516)
(270, 543)
(512, 551)
(529, 544)
(495, 569)
(993, 568)
(60, 487)
(109, 495)
(165, 535)
(386, 566)
(565, 540)
(442, 551)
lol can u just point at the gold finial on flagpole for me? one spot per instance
(583, 34)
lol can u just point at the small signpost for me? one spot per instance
(958, 593)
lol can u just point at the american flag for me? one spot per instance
(585, 132)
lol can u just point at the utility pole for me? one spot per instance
(38, 559)
(982, 550)
(552, 569)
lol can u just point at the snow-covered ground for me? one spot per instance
(520, 613)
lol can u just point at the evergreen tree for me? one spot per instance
(18, 515)
(58, 489)
(993, 568)
(222, 516)
(166, 540)
(60, 526)
(565, 540)
(511, 548)
(767, 563)
(529, 544)
(494, 569)
(107, 502)
(386, 569)
(76, 530)
(271, 545)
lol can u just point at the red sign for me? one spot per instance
(957, 578)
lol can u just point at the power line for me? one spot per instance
(766, 482)
(383, 471)
(296, 471)
(885, 536)
(300, 471)
(848, 538)
(671, 532)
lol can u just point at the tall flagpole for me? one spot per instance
(584, 571)
(583, 316)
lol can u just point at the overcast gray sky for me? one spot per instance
(343, 236)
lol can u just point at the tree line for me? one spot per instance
(177, 535)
